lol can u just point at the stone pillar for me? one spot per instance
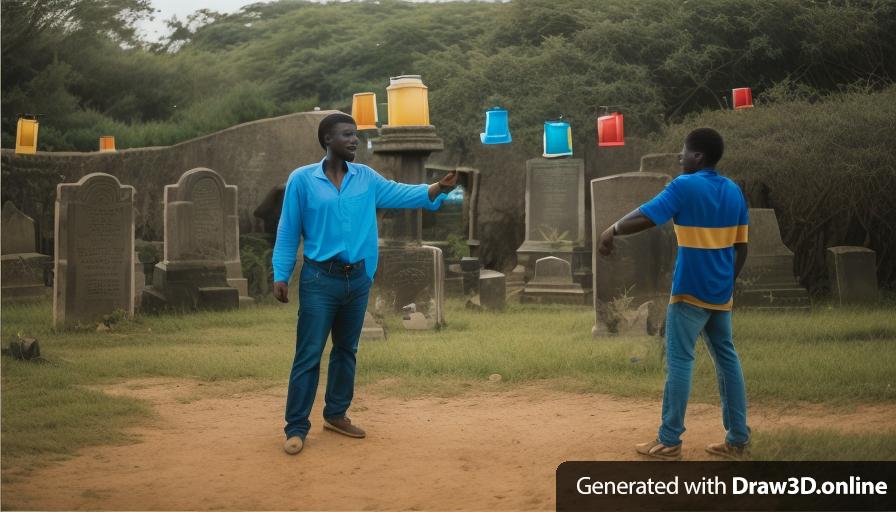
(408, 272)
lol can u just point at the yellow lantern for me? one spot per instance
(107, 143)
(26, 136)
(408, 101)
(364, 110)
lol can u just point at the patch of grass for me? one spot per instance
(800, 444)
(832, 357)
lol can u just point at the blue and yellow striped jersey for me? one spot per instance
(710, 216)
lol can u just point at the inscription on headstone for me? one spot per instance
(94, 265)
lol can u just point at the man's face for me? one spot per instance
(690, 161)
(343, 141)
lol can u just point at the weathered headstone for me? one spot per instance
(94, 265)
(852, 272)
(201, 266)
(640, 269)
(661, 163)
(767, 280)
(553, 284)
(22, 269)
(492, 290)
(555, 216)
(470, 268)
(371, 330)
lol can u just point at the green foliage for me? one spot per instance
(828, 164)
(655, 60)
(255, 255)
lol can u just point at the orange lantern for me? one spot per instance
(26, 135)
(107, 143)
(743, 98)
(364, 110)
(610, 130)
(408, 101)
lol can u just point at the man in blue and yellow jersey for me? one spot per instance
(710, 219)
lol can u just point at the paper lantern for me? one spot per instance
(610, 130)
(557, 139)
(107, 143)
(26, 136)
(743, 98)
(408, 101)
(364, 110)
(496, 129)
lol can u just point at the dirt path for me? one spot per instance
(491, 450)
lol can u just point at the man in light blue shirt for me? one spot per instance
(332, 206)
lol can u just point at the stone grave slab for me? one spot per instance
(553, 284)
(852, 272)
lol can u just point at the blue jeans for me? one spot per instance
(329, 300)
(684, 322)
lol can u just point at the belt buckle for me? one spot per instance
(347, 268)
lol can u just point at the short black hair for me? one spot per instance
(327, 124)
(707, 141)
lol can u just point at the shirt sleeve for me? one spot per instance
(289, 230)
(664, 206)
(391, 194)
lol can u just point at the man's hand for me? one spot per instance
(448, 182)
(281, 291)
(605, 245)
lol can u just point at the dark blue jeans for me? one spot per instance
(329, 300)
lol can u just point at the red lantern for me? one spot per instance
(743, 98)
(610, 130)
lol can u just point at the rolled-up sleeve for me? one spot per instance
(391, 194)
(289, 230)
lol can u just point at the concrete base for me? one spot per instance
(187, 286)
(550, 293)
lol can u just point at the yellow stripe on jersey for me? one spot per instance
(697, 237)
(690, 299)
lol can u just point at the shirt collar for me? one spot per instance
(319, 171)
(708, 170)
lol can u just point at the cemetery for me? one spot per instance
(146, 355)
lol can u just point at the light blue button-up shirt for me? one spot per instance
(339, 224)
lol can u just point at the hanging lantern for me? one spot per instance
(557, 139)
(743, 98)
(107, 143)
(364, 110)
(26, 136)
(496, 129)
(610, 131)
(408, 101)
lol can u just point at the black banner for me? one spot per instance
(726, 486)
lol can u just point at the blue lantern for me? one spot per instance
(557, 139)
(496, 129)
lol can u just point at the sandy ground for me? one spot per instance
(484, 451)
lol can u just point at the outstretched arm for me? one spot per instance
(391, 194)
(634, 222)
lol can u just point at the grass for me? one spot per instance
(832, 357)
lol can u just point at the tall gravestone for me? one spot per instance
(201, 250)
(640, 269)
(94, 246)
(22, 269)
(767, 280)
(852, 272)
(408, 271)
(555, 217)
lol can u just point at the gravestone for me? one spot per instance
(852, 272)
(555, 216)
(661, 163)
(200, 267)
(640, 269)
(553, 284)
(469, 269)
(767, 281)
(22, 269)
(371, 330)
(492, 290)
(94, 246)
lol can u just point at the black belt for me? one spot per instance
(336, 267)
